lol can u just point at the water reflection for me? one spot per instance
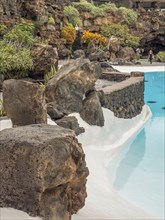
(130, 161)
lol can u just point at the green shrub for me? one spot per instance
(94, 10)
(2, 110)
(97, 11)
(109, 6)
(122, 32)
(160, 57)
(21, 34)
(129, 14)
(26, 25)
(73, 15)
(3, 29)
(84, 4)
(14, 63)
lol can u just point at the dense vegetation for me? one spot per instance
(73, 15)
(15, 54)
(72, 12)
(122, 32)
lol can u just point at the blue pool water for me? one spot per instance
(137, 172)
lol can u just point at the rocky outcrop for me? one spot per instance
(24, 102)
(70, 122)
(44, 57)
(107, 67)
(91, 111)
(126, 53)
(115, 76)
(150, 28)
(78, 53)
(125, 98)
(64, 52)
(43, 171)
(31, 9)
(99, 55)
(65, 91)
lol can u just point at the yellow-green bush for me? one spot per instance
(160, 57)
(73, 15)
(129, 14)
(68, 32)
(100, 10)
(122, 32)
(51, 19)
(3, 29)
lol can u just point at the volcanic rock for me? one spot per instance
(43, 171)
(24, 102)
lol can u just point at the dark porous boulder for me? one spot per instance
(24, 102)
(43, 171)
(99, 55)
(54, 111)
(107, 67)
(63, 52)
(97, 69)
(44, 57)
(78, 54)
(126, 53)
(91, 111)
(66, 89)
(70, 122)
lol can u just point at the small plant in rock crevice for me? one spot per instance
(49, 75)
(2, 110)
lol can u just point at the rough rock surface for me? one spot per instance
(64, 52)
(70, 122)
(115, 76)
(43, 171)
(91, 111)
(78, 53)
(99, 55)
(126, 53)
(44, 57)
(125, 98)
(31, 9)
(24, 102)
(107, 67)
(65, 91)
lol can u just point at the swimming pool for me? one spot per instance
(137, 171)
